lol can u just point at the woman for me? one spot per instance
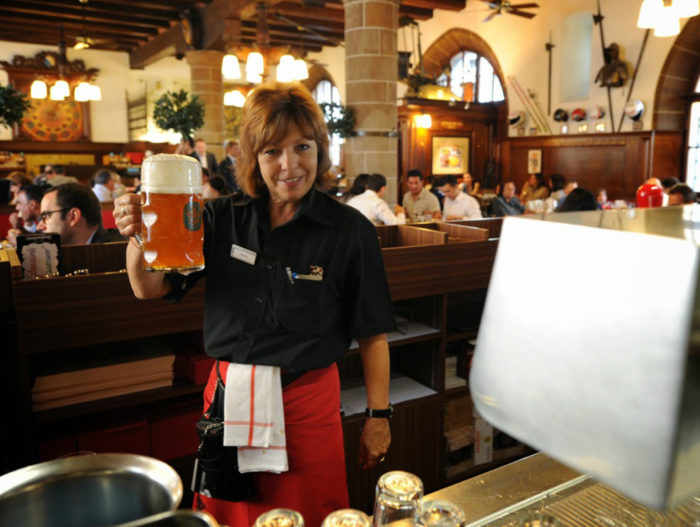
(359, 185)
(470, 186)
(263, 312)
(535, 188)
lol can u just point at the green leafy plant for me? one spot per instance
(339, 119)
(13, 104)
(179, 111)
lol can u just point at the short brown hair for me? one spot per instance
(269, 112)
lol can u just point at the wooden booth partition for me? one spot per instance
(478, 123)
(618, 162)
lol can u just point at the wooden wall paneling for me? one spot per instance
(97, 258)
(416, 422)
(408, 235)
(668, 155)
(493, 225)
(463, 232)
(438, 269)
(69, 312)
(617, 162)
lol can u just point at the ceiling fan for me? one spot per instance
(504, 6)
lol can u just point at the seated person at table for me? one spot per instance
(215, 187)
(681, 194)
(26, 218)
(372, 205)
(458, 205)
(56, 175)
(104, 186)
(419, 203)
(535, 188)
(577, 200)
(73, 211)
(17, 181)
(668, 183)
(469, 186)
(359, 185)
(507, 204)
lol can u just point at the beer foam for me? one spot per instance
(171, 174)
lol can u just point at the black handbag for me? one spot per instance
(216, 472)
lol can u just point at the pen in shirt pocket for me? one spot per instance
(316, 275)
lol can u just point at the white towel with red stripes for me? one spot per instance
(254, 417)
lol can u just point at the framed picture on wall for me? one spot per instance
(450, 155)
(534, 161)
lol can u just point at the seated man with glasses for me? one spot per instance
(73, 211)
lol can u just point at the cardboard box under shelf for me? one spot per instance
(458, 412)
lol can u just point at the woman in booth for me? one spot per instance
(292, 277)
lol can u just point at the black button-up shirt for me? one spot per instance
(257, 314)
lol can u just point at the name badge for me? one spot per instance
(243, 254)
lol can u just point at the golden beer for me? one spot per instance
(171, 213)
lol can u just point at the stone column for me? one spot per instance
(205, 68)
(371, 71)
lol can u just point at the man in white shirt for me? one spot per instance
(458, 205)
(372, 205)
(104, 186)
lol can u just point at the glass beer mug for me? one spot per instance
(171, 213)
(279, 518)
(398, 499)
(346, 518)
(439, 513)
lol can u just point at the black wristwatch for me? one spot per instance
(386, 413)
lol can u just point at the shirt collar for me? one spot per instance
(313, 205)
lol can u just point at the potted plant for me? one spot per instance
(13, 104)
(179, 111)
(339, 119)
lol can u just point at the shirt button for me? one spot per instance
(259, 300)
(268, 267)
(248, 335)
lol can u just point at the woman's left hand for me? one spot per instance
(374, 442)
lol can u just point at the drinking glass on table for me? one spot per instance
(398, 499)
(440, 513)
(171, 213)
(346, 518)
(279, 518)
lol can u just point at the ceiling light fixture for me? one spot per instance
(663, 16)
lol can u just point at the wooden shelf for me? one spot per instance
(408, 332)
(457, 390)
(459, 471)
(178, 389)
(462, 335)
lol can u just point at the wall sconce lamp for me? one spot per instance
(423, 120)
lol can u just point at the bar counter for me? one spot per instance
(539, 487)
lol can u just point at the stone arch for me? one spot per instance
(454, 40)
(677, 80)
(317, 73)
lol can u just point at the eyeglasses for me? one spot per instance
(47, 214)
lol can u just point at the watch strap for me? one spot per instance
(386, 413)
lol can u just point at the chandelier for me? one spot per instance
(288, 68)
(663, 16)
(60, 90)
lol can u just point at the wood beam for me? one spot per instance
(299, 13)
(450, 5)
(417, 13)
(28, 21)
(76, 15)
(96, 6)
(169, 43)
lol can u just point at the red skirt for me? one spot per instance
(315, 484)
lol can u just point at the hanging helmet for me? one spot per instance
(596, 112)
(516, 118)
(634, 109)
(561, 115)
(579, 114)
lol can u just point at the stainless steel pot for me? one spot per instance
(175, 519)
(82, 491)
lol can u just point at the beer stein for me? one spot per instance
(346, 518)
(279, 518)
(171, 213)
(439, 513)
(398, 499)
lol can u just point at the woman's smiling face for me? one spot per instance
(288, 168)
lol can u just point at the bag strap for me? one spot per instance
(216, 408)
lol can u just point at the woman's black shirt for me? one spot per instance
(256, 313)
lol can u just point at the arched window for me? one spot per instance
(693, 172)
(470, 67)
(326, 92)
